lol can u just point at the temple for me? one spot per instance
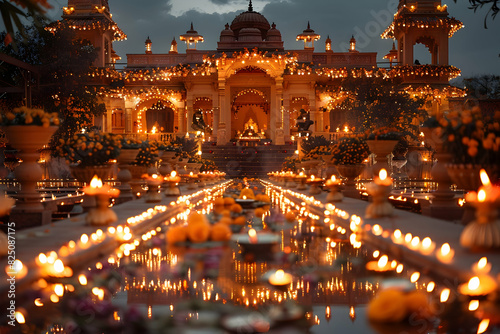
(251, 75)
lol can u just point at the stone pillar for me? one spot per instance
(189, 117)
(407, 50)
(443, 49)
(279, 133)
(313, 112)
(224, 127)
(286, 118)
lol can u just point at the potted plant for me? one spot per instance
(349, 155)
(473, 142)
(28, 130)
(89, 154)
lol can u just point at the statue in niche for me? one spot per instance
(251, 129)
(198, 122)
(304, 121)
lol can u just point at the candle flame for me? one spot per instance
(280, 274)
(333, 178)
(427, 242)
(173, 174)
(58, 266)
(445, 249)
(481, 195)
(473, 305)
(483, 326)
(312, 177)
(481, 264)
(252, 233)
(474, 283)
(485, 180)
(382, 262)
(96, 182)
(382, 174)
(445, 294)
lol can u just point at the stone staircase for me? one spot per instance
(247, 161)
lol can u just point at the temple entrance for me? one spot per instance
(159, 118)
(250, 115)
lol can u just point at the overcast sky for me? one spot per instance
(473, 49)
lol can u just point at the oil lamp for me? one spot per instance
(484, 231)
(379, 189)
(101, 214)
(280, 279)
(335, 194)
(314, 183)
(173, 184)
(153, 195)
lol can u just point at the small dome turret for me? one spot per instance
(227, 35)
(273, 34)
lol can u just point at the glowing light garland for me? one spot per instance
(452, 25)
(94, 23)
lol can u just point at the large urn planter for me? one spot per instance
(382, 149)
(350, 172)
(443, 205)
(28, 139)
(126, 157)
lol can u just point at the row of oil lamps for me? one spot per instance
(479, 285)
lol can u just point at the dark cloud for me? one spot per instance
(473, 49)
(220, 2)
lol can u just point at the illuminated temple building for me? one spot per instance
(250, 75)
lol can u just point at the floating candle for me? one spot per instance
(445, 253)
(478, 286)
(280, 278)
(96, 187)
(252, 236)
(382, 178)
(427, 246)
(482, 266)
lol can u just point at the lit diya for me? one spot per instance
(335, 186)
(173, 184)
(101, 214)
(154, 182)
(314, 183)
(484, 231)
(481, 285)
(301, 180)
(381, 266)
(379, 189)
(280, 279)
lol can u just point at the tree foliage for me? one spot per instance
(479, 4)
(13, 11)
(62, 61)
(483, 86)
(373, 103)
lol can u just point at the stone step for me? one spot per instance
(247, 161)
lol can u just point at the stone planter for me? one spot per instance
(28, 139)
(382, 149)
(350, 172)
(126, 157)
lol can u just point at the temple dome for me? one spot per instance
(250, 19)
(250, 35)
